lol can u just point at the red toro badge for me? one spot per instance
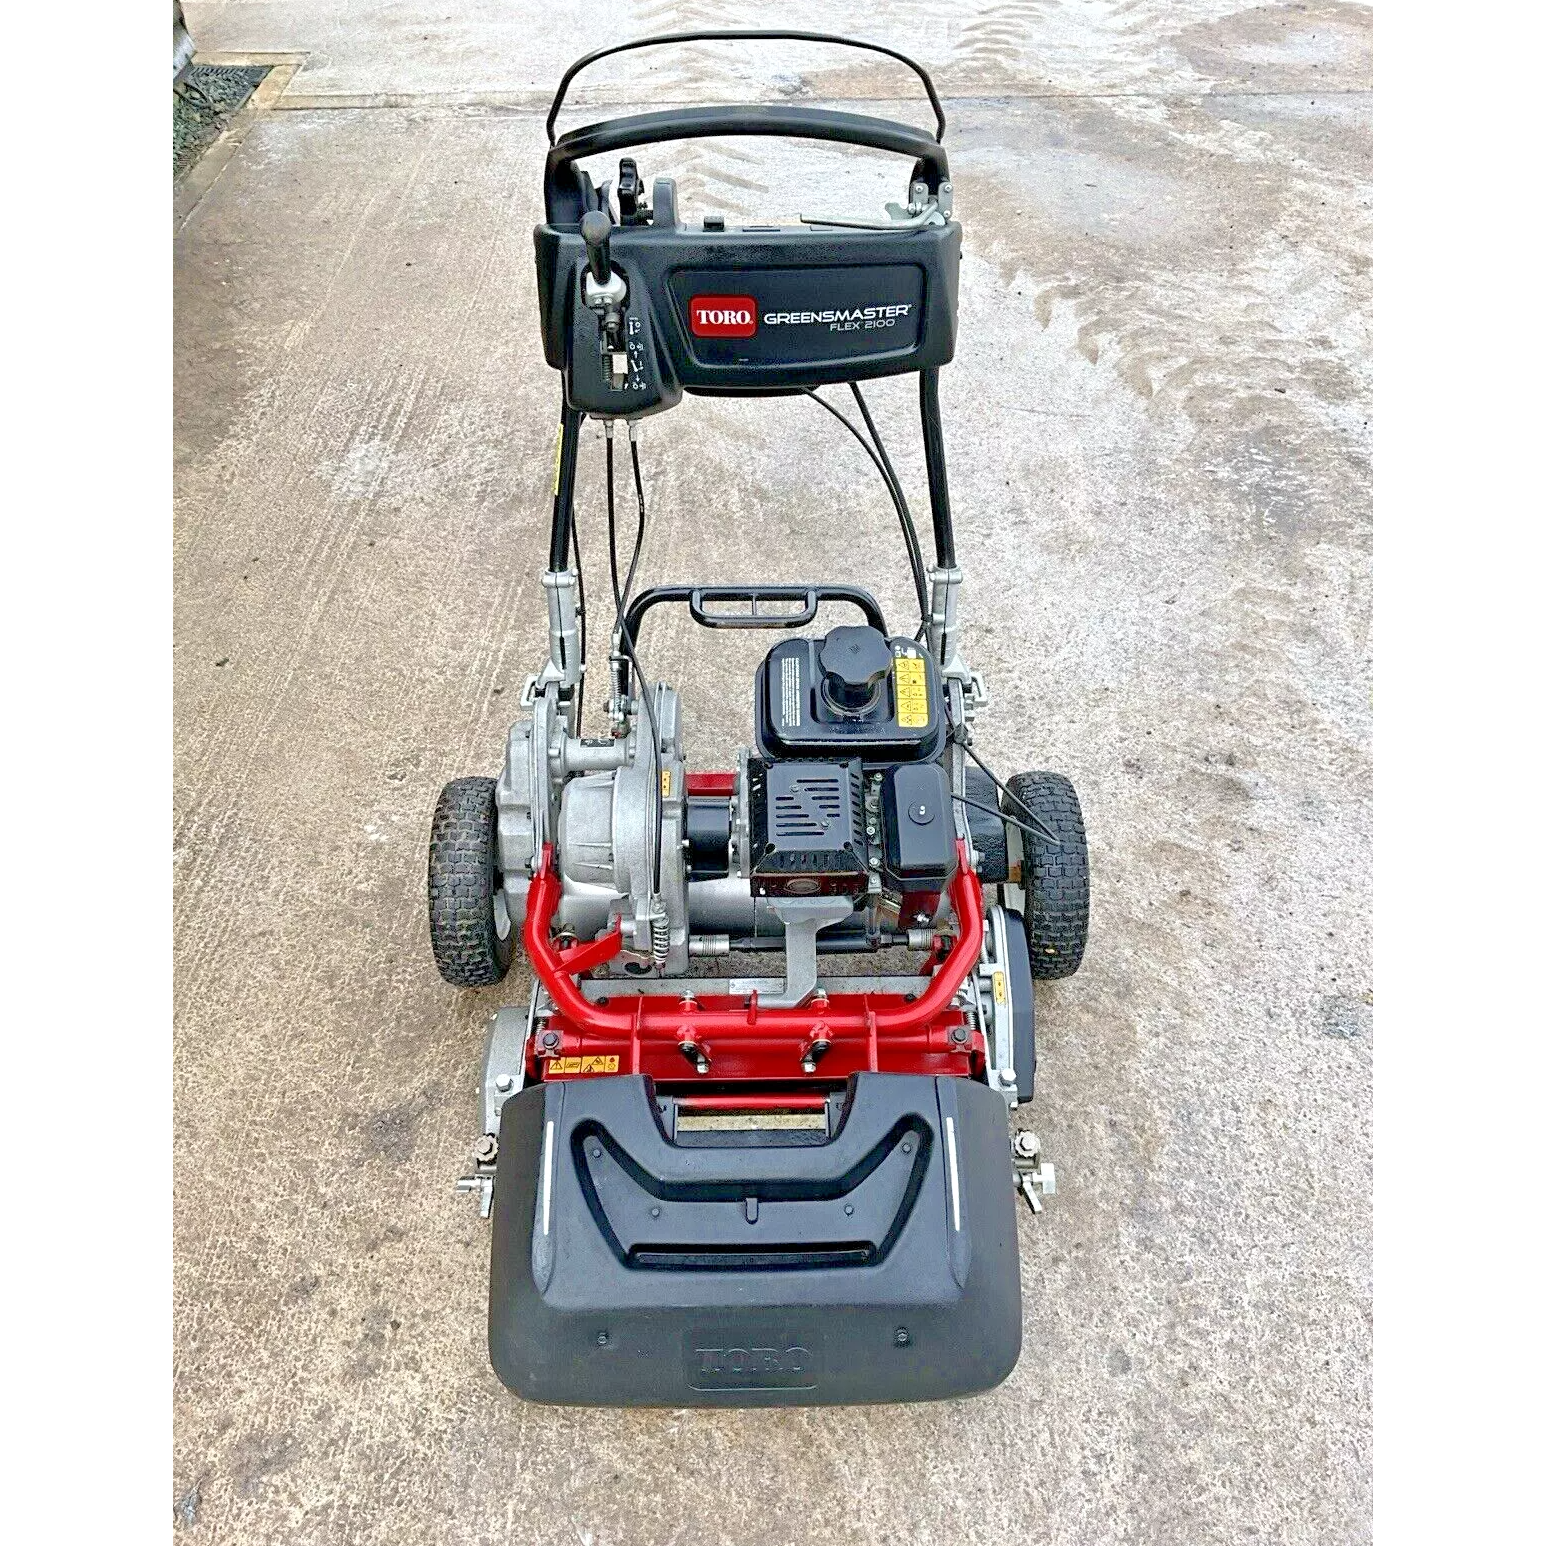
(722, 316)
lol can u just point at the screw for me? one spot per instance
(903, 1336)
(907, 1148)
(654, 1213)
(602, 1339)
(595, 1151)
(848, 1207)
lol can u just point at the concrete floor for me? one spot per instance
(1159, 434)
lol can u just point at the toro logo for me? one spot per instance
(722, 316)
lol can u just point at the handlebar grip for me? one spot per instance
(561, 186)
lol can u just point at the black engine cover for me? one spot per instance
(796, 715)
(807, 829)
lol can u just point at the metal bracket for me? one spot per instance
(1034, 1176)
(995, 1003)
(922, 209)
(803, 918)
(504, 1073)
(510, 1031)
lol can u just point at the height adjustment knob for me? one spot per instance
(854, 664)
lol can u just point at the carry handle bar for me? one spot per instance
(736, 35)
(809, 597)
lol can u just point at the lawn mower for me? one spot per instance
(711, 1183)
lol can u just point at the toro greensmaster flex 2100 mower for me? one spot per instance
(788, 1186)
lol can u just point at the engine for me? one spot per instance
(844, 800)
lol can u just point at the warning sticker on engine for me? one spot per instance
(912, 692)
(789, 689)
(585, 1065)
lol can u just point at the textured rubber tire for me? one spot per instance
(988, 836)
(464, 885)
(1056, 879)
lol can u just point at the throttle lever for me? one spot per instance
(596, 232)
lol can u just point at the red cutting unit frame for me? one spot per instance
(687, 1041)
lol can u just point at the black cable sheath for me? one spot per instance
(915, 562)
(579, 575)
(1036, 831)
(904, 510)
(934, 456)
(563, 488)
(626, 641)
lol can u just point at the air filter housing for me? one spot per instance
(807, 829)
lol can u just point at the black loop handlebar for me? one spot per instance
(733, 35)
(809, 123)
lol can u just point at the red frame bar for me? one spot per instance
(718, 784)
(665, 1036)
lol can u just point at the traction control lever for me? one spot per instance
(604, 290)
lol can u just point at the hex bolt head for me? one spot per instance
(602, 1339)
(504, 1084)
(903, 1336)
(1027, 1145)
(486, 1149)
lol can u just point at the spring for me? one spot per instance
(660, 937)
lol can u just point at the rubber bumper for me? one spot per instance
(632, 1267)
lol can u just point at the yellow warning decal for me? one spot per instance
(558, 458)
(665, 783)
(912, 692)
(585, 1065)
(999, 991)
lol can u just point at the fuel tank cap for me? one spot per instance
(854, 664)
